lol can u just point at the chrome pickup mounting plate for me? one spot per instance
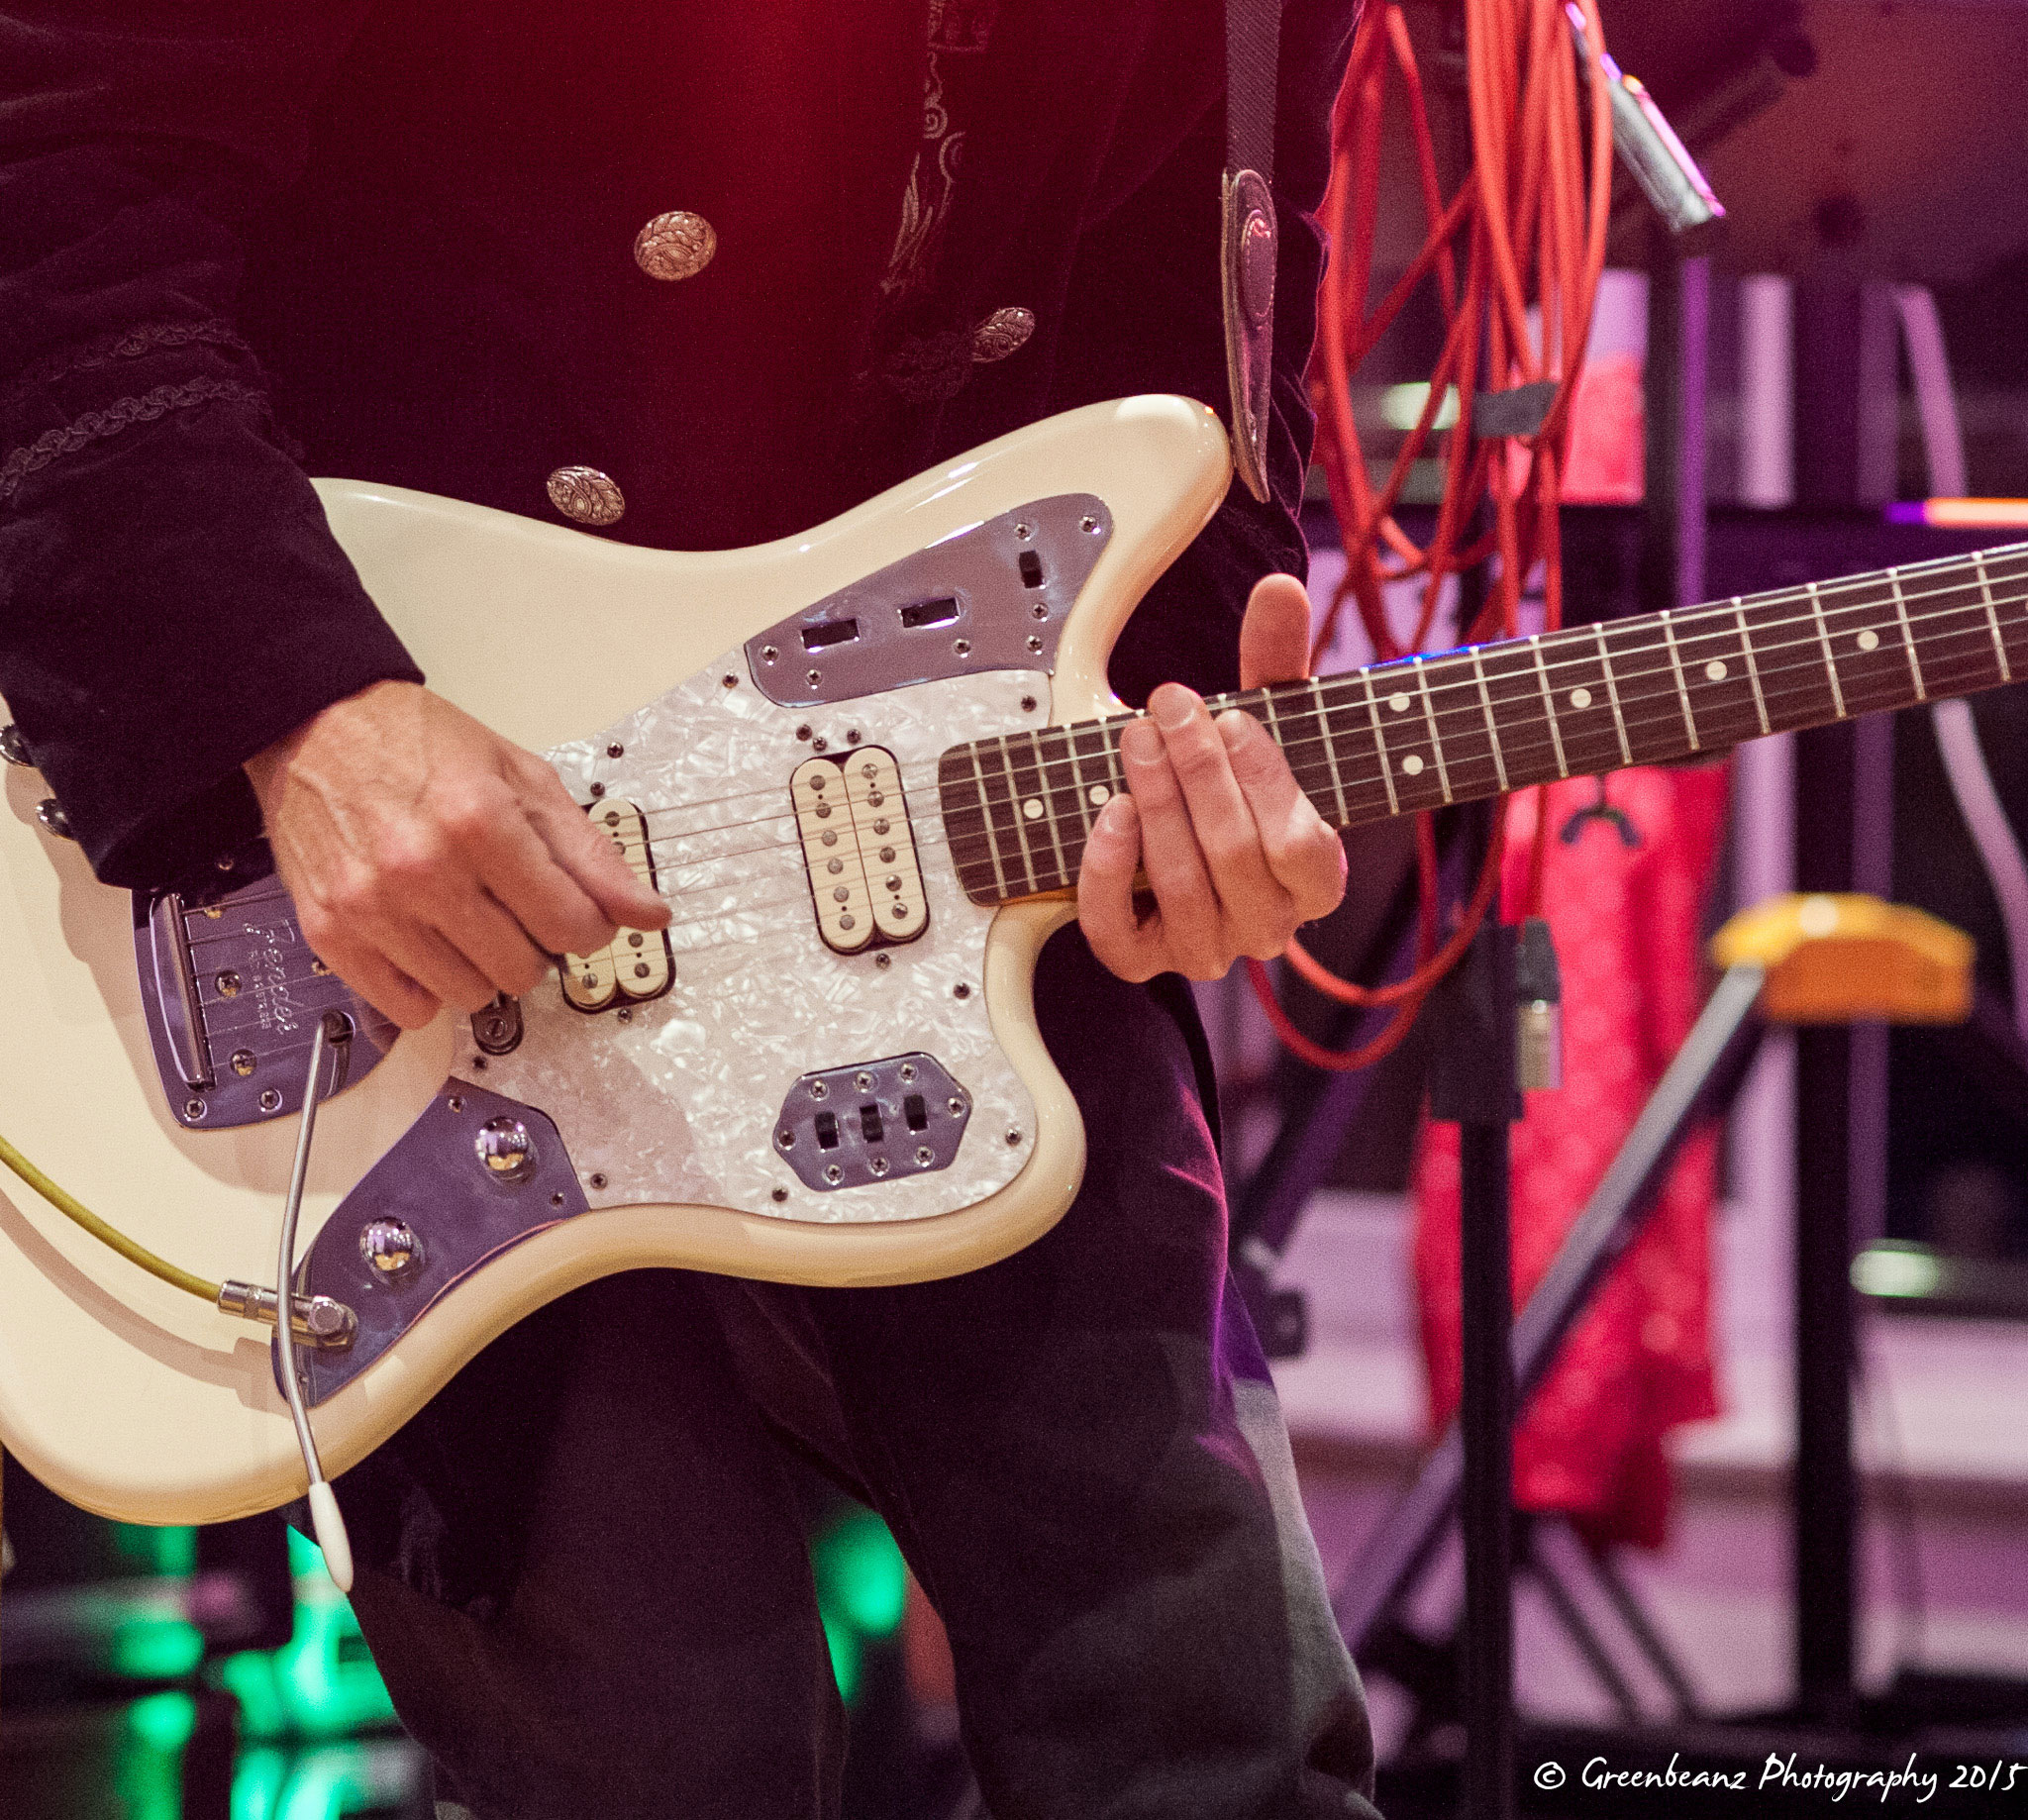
(844, 1127)
(993, 596)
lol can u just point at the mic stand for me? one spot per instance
(1472, 1082)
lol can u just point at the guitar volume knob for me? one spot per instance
(505, 1149)
(392, 1249)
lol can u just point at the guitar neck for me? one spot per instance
(1422, 732)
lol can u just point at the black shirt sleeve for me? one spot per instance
(1145, 316)
(171, 599)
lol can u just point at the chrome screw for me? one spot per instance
(243, 1062)
(832, 1174)
(1087, 524)
(1013, 1135)
(925, 1155)
(271, 1100)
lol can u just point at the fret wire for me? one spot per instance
(1675, 662)
(1429, 715)
(1330, 748)
(1492, 732)
(1824, 639)
(1014, 809)
(1612, 693)
(1908, 636)
(1746, 644)
(986, 815)
(1992, 617)
(1049, 807)
(2000, 645)
(1549, 703)
(1380, 742)
(1077, 782)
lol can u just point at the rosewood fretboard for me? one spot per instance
(1422, 731)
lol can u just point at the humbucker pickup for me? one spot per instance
(636, 966)
(858, 850)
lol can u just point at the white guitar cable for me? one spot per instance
(324, 1516)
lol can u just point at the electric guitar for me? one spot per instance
(860, 763)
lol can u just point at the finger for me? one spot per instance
(1220, 820)
(381, 984)
(1305, 858)
(1192, 920)
(1275, 636)
(1105, 896)
(428, 958)
(497, 944)
(519, 869)
(587, 853)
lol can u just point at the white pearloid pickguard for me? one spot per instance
(678, 1103)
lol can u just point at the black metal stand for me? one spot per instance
(1698, 1084)
(1472, 1082)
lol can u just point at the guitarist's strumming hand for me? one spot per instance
(432, 861)
(1234, 855)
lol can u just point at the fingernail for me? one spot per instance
(1141, 741)
(1235, 726)
(1117, 818)
(1173, 705)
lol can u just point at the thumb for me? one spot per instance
(1274, 637)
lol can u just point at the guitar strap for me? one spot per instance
(1247, 238)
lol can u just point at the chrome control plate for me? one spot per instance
(992, 597)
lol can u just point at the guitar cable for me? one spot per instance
(319, 1316)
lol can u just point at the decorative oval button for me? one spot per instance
(1001, 333)
(678, 244)
(586, 495)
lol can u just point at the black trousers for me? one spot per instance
(583, 1573)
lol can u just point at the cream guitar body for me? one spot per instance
(826, 1072)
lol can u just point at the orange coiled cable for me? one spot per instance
(1531, 215)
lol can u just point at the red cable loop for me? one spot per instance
(1532, 210)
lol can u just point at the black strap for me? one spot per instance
(1253, 46)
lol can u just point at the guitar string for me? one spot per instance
(1587, 660)
(1367, 782)
(1440, 684)
(1571, 649)
(1686, 624)
(750, 938)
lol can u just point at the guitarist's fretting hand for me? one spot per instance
(1234, 855)
(432, 861)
